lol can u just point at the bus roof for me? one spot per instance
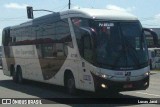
(103, 14)
(99, 14)
(153, 48)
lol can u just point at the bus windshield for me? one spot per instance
(118, 45)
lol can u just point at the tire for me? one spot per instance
(70, 85)
(19, 76)
(151, 65)
(148, 83)
(14, 76)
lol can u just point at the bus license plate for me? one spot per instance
(128, 86)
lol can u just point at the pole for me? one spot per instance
(69, 4)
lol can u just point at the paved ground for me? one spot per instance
(153, 91)
(9, 89)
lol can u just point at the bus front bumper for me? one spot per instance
(104, 84)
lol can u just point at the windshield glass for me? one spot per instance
(118, 44)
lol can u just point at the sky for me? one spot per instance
(13, 12)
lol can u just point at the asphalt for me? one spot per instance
(31, 89)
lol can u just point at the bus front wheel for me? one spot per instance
(14, 77)
(70, 84)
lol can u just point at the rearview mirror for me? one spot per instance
(152, 34)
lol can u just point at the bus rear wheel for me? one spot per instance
(17, 75)
(70, 84)
(14, 77)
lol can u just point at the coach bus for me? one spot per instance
(153, 49)
(86, 49)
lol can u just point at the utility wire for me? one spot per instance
(58, 7)
(64, 7)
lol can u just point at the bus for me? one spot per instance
(154, 57)
(86, 49)
(153, 49)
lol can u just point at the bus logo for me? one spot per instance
(127, 73)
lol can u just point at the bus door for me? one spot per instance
(157, 58)
(85, 64)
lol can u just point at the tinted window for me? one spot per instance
(55, 38)
(6, 37)
(63, 32)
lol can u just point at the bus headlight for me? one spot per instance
(146, 74)
(102, 75)
(104, 86)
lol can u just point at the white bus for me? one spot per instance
(87, 49)
(152, 61)
(154, 57)
(153, 48)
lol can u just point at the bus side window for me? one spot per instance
(6, 37)
(149, 39)
(3, 38)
